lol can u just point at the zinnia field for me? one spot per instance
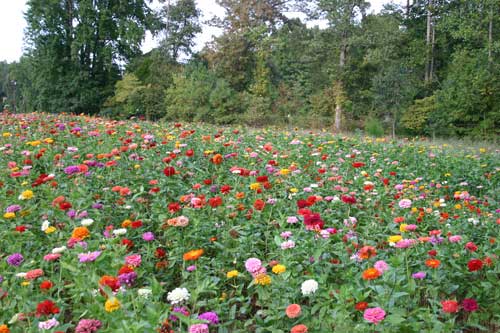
(130, 226)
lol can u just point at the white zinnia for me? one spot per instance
(59, 249)
(121, 231)
(309, 287)
(45, 225)
(178, 295)
(87, 222)
(144, 292)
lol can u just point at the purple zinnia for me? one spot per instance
(88, 257)
(15, 259)
(419, 275)
(97, 205)
(148, 236)
(72, 169)
(210, 316)
(127, 278)
(13, 209)
(182, 310)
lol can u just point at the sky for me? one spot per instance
(12, 26)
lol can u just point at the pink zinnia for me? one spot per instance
(133, 260)
(405, 203)
(381, 266)
(88, 326)
(36, 273)
(374, 315)
(404, 243)
(253, 265)
(198, 328)
(455, 239)
(52, 257)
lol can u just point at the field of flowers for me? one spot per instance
(123, 226)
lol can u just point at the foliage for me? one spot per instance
(423, 67)
(417, 116)
(374, 127)
(181, 25)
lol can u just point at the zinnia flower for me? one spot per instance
(88, 326)
(193, 254)
(301, 328)
(469, 305)
(449, 306)
(309, 287)
(432, 263)
(198, 328)
(15, 259)
(374, 315)
(419, 275)
(89, 256)
(253, 265)
(178, 295)
(405, 203)
(49, 324)
(112, 304)
(293, 311)
(371, 274)
(474, 265)
(210, 316)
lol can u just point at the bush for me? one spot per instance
(374, 127)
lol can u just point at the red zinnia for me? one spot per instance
(46, 285)
(313, 221)
(449, 306)
(46, 308)
(169, 171)
(358, 164)
(215, 202)
(474, 265)
(259, 204)
(348, 199)
(361, 306)
(469, 305)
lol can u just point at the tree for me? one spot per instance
(342, 16)
(180, 26)
(78, 46)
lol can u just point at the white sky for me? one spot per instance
(12, 24)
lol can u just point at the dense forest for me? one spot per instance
(429, 67)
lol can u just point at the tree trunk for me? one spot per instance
(407, 8)
(433, 43)
(394, 126)
(490, 38)
(339, 87)
(428, 42)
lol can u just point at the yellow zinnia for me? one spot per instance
(232, 274)
(279, 269)
(112, 304)
(394, 239)
(262, 279)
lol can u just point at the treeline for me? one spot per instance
(430, 67)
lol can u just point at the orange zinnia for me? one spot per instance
(367, 252)
(217, 159)
(80, 233)
(193, 254)
(432, 263)
(371, 274)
